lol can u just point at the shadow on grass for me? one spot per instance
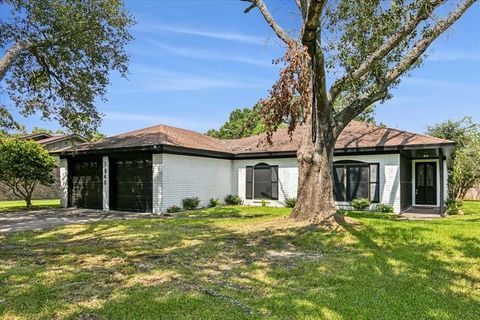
(195, 268)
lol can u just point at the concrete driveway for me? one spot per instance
(49, 218)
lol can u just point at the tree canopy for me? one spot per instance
(58, 56)
(241, 123)
(24, 164)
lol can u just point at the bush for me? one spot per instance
(213, 202)
(453, 206)
(174, 209)
(233, 200)
(360, 204)
(383, 207)
(190, 203)
(264, 203)
(290, 202)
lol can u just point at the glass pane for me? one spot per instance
(430, 175)
(374, 172)
(262, 183)
(420, 175)
(374, 192)
(358, 183)
(274, 171)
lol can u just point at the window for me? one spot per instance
(352, 180)
(262, 182)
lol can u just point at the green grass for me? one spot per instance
(471, 207)
(6, 206)
(245, 263)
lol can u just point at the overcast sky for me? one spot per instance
(192, 62)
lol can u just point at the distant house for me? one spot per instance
(154, 168)
(50, 143)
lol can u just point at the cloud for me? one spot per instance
(207, 54)
(151, 79)
(453, 56)
(222, 35)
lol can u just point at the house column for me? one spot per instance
(442, 184)
(157, 179)
(106, 184)
(63, 167)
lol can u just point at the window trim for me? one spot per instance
(346, 164)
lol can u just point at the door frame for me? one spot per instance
(437, 187)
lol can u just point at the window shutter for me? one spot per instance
(274, 180)
(374, 182)
(249, 181)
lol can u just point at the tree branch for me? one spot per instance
(312, 23)
(422, 45)
(10, 56)
(422, 14)
(270, 20)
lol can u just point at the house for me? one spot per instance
(151, 169)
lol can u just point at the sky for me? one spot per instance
(192, 62)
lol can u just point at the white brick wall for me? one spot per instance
(287, 178)
(63, 165)
(187, 176)
(389, 177)
(157, 169)
(106, 184)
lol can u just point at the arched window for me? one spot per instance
(262, 182)
(355, 179)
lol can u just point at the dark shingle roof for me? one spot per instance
(357, 135)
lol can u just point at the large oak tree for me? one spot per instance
(57, 56)
(365, 47)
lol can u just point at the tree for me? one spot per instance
(24, 165)
(58, 55)
(465, 173)
(241, 123)
(371, 44)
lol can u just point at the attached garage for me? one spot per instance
(131, 183)
(85, 189)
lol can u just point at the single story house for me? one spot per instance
(151, 169)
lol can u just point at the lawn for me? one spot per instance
(6, 206)
(245, 263)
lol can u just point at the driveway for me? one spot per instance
(49, 218)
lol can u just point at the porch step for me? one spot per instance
(422, 210)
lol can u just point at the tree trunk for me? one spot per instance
(28, 201)
(315, 201)
(9, 57)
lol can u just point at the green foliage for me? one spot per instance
(464, 132)
(452, 206)
(264, 203)
(23, 165)
(68, 50)
(191, 203)
(290, 202)
(174, 209)
(231, 199)
(466, 171)
(383, 207)
(241, 123)
(360, 204)
(214, 202)
(367, 116)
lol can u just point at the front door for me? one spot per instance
(426, 183)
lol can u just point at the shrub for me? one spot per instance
(360, 204)
(383, 207)
(452, 206)
(231, 199)
(290, 202)
(213, 202)
(174, 209)
(190, 203)
(264, 202)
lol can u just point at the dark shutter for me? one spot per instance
(339, 188)
(358, 182)
(249, 185)
(374, 182)
(274, 180)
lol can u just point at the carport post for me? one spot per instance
(106, 184)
